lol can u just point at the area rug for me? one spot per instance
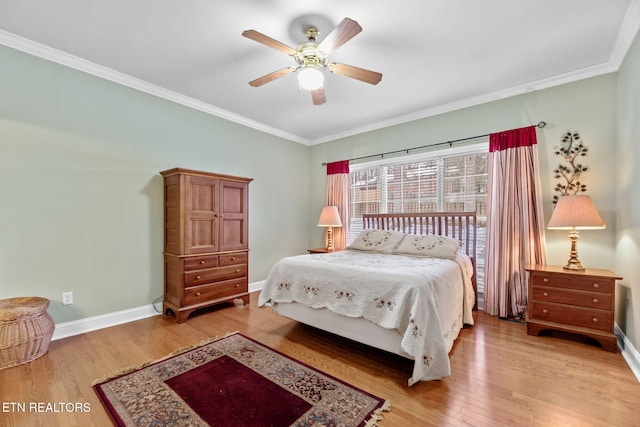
(235, 382)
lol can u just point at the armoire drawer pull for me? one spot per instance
(595, 320)
(595, 285)
(202, 262)
(238, 270)
(545, 294)
(197, 294)
(237, 285)
(545, 311)
(198, 277)
(595, 300)
(545, 280)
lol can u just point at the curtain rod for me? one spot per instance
(540, 125)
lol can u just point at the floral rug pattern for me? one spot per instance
(143, 397)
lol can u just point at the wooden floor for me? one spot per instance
(501, 376)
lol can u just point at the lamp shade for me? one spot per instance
(575, 212)
(329, 217)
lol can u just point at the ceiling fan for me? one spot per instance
(311, 56)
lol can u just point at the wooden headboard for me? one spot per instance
(458, 225)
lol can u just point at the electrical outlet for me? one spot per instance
(67, 298)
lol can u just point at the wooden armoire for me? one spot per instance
(206, 247)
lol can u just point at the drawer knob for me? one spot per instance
(233, 258)
(595, 300)
(545, 280)
(545, 294)
(197, 294)
(595, 320)
(237, 270)
(237, 285)
(595, 285)
(202, 262)
(198, 276)
(544, 310)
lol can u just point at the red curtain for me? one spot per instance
(338, 194)
(515, 220)
(523, 137)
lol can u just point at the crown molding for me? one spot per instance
(626, 35)
(573, 76)
(45, 52)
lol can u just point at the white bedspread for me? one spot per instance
(426, 299)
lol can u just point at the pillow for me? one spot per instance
(429, 245)
(372, 240)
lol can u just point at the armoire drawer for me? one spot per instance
(597, 300)
(204, 293)
(233, 258)
(200, 277)
(575, 316)
(201, 262)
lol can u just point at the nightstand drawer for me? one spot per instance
(597, 300)
(591, 284)
(586, 318)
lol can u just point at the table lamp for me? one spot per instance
(575, 213)
(329, 217)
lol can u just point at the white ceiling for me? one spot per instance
(435, 55)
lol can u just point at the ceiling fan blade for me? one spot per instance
(268, 41)
(317, 96)
(342, 33)
(271, 76)
(361, 74)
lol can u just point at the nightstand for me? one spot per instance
(319, 251)
(580, 302)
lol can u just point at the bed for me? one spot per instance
(406, 285)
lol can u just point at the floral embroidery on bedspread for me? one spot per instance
(342, 294)
(381, 303)
(426, 359)
(415, 329)
(311, 290)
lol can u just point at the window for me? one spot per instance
(451, 180)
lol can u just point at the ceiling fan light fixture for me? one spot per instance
(310, 79)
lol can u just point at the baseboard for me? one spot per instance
(81, 326)
(256, 286)
(629, 352)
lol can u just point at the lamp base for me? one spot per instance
(330, 247)
(574, 263)
(574, 267)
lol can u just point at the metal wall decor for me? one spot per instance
(571, 149)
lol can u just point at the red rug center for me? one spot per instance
(218, 393)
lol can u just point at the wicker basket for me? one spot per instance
(25, 330)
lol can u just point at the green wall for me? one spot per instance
(81, 197)
(627, 201)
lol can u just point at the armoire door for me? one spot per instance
(233, 215)
(201, 215)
